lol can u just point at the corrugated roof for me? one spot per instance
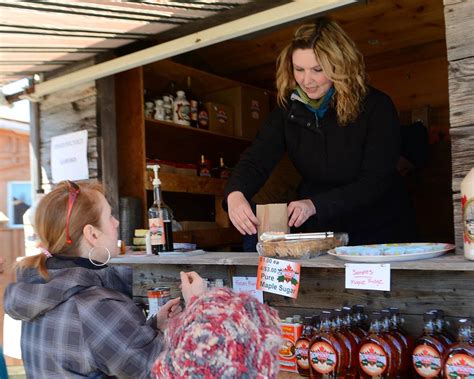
(42, 36)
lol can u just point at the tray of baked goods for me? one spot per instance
(299, 245)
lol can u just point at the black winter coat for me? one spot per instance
(348, 172)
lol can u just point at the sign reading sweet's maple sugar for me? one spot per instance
(278, 276)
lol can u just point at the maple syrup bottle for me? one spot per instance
(348, 322)
(359, 317)
(302, 347)
(427, 356)
(349, 340)
(404, 356)
(442, 327)
(377, 355)
(459, 357)
(328, 356)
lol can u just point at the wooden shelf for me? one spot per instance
(449, 262)
(183, 129)
(190, 184)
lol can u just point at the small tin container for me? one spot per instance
(157, 297)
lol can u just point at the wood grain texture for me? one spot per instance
(459, 37)
(65, 112)
(131, 136)
(461, 93)
(462, 145)
(458, 224)
(448, 262)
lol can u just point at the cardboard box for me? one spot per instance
(221, 118)
(290, 333)
(251, 108)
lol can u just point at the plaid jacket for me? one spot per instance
(81, 323)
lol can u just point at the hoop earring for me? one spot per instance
(102, 264)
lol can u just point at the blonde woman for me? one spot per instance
(342, 136)
(78, 318)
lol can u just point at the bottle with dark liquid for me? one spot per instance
(407, 341)
(160, 220)
(203, 167)
(203, 116)
(427, 356)
(224, 171)
(442, 327)
(459, 357)
(193, 103)
(359, 317)
(329, 357)
(302, 347)
(404, 358)
(345, 335)
(377, 355)
(348, 323)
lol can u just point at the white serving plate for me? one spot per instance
(393, 252)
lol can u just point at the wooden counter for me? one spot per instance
(418, 286)
(448, 262)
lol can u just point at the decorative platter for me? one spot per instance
(391, 252)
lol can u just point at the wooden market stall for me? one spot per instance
(419, 52)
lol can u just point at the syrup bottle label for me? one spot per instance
(157, 234)
(459, 366)
(372, 359)
(427, 361)
(302, 354)
(323, 357)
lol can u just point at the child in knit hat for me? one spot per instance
(220, 334)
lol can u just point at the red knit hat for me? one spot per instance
(221, 335)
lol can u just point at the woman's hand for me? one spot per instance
(167, 311)
(241, 214)
(299, 211)
(192, 285)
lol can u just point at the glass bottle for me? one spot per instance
(159, 110)
(203, 116)
(404, 358)
(377, 355)
(328, 355)
(348, 323)
(359, 317)
(203, 168)
(349, 341)
(168, 106)
(302, 347)
(193, 103)
(428, 353)
(181, 109)
(159, 220)
(224, 171)
(459, 357)
(442, 327)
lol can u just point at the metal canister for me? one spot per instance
(157, 297)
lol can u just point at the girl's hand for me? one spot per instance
(240, 213)
(166, 312)
(192, 285)
(299, 211)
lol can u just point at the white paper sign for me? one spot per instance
(368, 276)
(278, 276)
(248, 285)
(69, 157)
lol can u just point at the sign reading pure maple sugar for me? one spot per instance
(278, 276)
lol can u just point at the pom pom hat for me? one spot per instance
(221, 335)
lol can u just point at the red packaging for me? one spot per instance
(290, 332)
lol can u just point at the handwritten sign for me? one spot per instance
(69, 157)
(368, 276)
(247, 284)
(278, 276)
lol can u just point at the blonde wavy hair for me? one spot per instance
(340, 61)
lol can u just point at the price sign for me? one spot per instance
(278, 276)
(368, 276)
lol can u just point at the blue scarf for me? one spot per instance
(319, 107)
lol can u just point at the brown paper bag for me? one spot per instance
(272, 218)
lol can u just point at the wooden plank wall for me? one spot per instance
(414, 292)
(13, 245)
(64, 112)
(460, 45)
